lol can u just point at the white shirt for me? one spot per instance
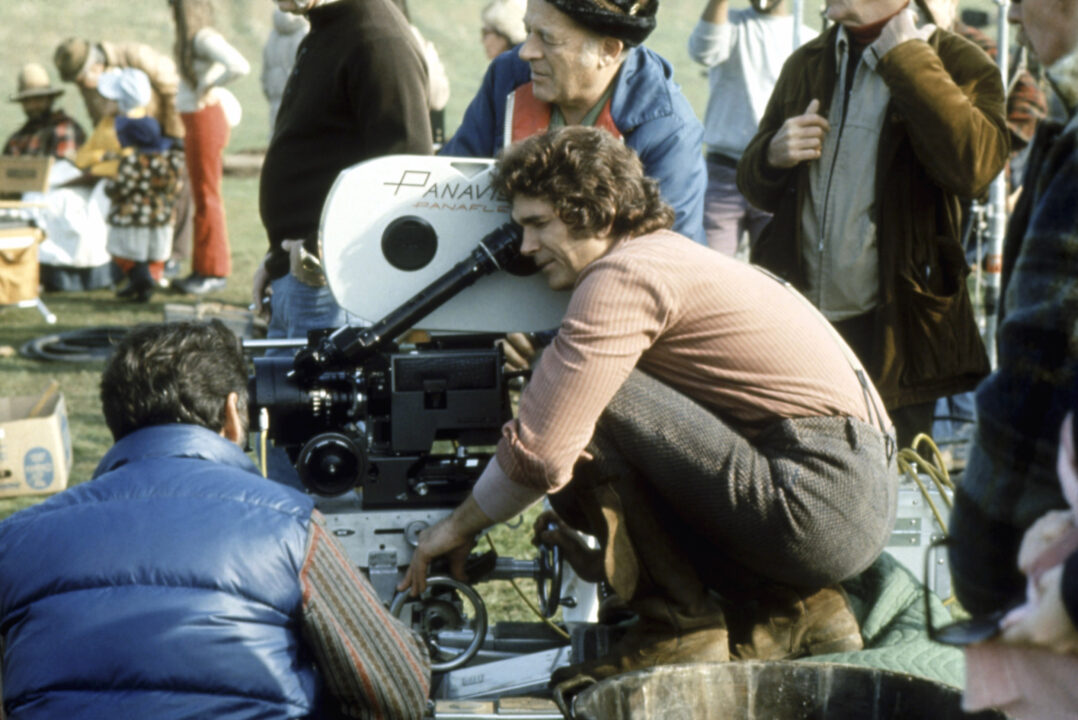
(745, 56)
(216, 63)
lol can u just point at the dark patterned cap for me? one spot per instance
(630, 21)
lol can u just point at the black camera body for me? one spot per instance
(407, 427)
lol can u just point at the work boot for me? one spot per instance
(678, 620)
(786, 622)
(647, 645)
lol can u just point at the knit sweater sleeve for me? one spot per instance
(710, 44)
(371, 663)
(616, 313)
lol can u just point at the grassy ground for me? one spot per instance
(30, 32)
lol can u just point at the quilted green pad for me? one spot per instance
(888, 602)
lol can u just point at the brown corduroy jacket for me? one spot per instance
(944, 139)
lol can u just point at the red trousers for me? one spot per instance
(207, 135)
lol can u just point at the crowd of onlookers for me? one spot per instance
(160, 127)
(846, 162)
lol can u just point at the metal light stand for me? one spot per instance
(799, 8)
(997, 208)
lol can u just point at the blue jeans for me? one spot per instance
(727, 214)
(956, 414)
(295, 309)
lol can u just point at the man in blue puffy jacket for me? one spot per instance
(180, 583)
(582, 63)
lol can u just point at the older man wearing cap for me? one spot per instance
(582, 63)
(46, 131)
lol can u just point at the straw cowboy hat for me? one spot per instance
(33, 82)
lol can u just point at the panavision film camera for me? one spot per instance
(359, 412)
(390, 432)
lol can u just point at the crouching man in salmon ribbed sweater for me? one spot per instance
(695, 414)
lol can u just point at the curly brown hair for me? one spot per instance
(592, 180)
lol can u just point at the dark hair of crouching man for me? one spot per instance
(697, 416)
(178, 576)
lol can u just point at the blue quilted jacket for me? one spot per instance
(167, 587)
(648, 109)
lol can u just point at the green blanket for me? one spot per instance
(888, 602)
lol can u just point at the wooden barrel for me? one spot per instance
(770, 691)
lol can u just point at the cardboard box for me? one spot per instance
(24, 173)
(35, 450)
(18, 264)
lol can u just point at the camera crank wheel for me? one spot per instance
(440, 617)
(548, 579)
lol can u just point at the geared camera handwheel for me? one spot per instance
(548, 579)
(440, 611)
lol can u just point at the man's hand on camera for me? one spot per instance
(437, 540)
(453, 537)
(260, 290)
(799, 139)
(519, 351)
